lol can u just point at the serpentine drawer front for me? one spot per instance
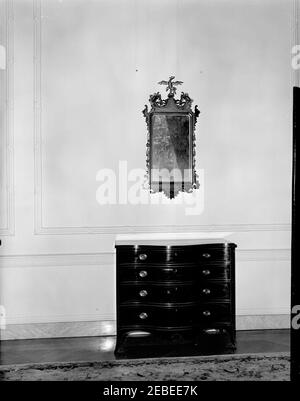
(170, 315)
(172, 290)
(169, 292)
(173, 272)
(159, 254)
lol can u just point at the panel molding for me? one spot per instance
(37, 151)
(9, 228)
(55, 260)
(295, 38)
(107, 258)
(41, 229)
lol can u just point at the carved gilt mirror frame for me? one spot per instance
(170, 151)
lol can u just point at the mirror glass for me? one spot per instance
(170, 148)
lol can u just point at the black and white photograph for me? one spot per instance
(148, 193)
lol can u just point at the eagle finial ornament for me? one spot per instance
(171, 86)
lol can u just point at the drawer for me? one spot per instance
(173, 293)
(173, 272)
(203, 315)
(163, 254)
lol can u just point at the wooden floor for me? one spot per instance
(101, 348)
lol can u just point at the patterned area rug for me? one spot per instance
(255, 367)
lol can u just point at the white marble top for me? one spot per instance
(172, 238)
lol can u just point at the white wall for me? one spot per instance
(78, 75)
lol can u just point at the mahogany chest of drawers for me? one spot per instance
(168, 296)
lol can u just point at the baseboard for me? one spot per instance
(108, 327)
(58, 330)
(262, 322)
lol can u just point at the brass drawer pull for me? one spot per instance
(143, 315)
(143, 273)
(143, 256)
(206, 313)
(206, 291)
(206, 272)
(212, 331)
(169, 291)
(171, 269)
(143, 293)
(206, 255)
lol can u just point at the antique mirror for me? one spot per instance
(170, 154)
